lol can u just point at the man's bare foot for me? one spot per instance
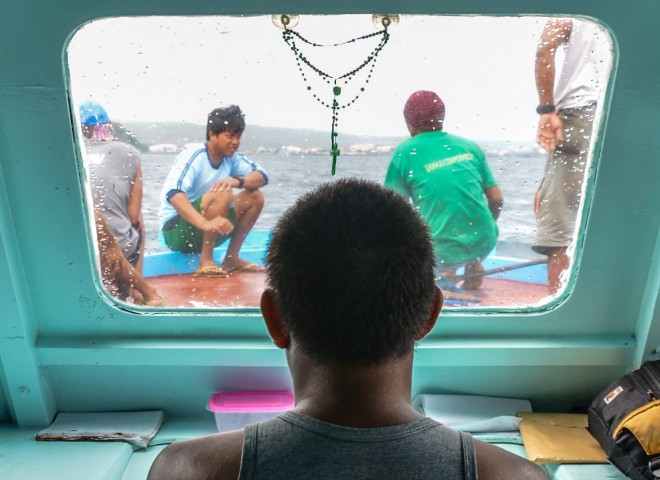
(154, 301)
(150, 297)
(473, 283)
(136, 295)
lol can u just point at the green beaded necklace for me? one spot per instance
(290, 37)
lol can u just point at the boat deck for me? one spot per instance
(244, 290)
(172, 274)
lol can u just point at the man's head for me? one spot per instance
(94, 121)
(350, 271)
(229, 119)
(424, 111)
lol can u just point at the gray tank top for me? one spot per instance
(294, 446)
(113, 167)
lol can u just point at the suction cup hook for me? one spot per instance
(384, 20)
(285, 21)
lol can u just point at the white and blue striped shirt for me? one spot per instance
(194, 174)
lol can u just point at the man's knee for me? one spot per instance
(216, 200)
(249, 200)
(258, 197)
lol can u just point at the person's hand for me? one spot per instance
(550, 131)
(222, 185)
(219, 225)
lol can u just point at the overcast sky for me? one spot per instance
(167, 68)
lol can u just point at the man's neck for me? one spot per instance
(355, 396)
(215, 156)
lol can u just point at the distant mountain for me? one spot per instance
(255, 137)
(260, 139)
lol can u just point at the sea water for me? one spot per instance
(293, 175)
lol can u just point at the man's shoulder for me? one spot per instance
(460, 140)
(239, 158)
(406, 145)
(189, 154)
(127, 149)
(494, 462)
(119, 146)
(116, 148)
(449, 142)
(192, 149)
(215, 456)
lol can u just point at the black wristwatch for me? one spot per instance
(241, 181)
(549, 108)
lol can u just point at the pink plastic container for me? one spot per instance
(235, 410)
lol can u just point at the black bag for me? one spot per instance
(625, 419)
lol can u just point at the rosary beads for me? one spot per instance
(290, 38)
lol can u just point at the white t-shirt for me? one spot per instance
(587, 60)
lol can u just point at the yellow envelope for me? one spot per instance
(559, 438)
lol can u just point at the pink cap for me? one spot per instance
(279, 401)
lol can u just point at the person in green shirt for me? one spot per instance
(451, 185)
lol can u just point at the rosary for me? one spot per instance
(290, 38)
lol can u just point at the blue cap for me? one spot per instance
(91, 113)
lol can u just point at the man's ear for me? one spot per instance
(438, 300)
(273, 320)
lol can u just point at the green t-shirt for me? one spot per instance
(445, 177)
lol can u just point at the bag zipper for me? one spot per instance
(650, 375)
(638, 379)
(654, 370)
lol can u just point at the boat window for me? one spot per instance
(325, 97)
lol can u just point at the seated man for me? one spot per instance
(198, 207)
(447, 177)
(350, 270)
(118, 275)
(116, 180)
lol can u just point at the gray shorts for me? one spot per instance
(561, 190)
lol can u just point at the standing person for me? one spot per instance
(450, 183)
(567, 106)
(116, 181)
(347, 300)
(198, 207)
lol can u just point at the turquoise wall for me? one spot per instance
(63, 347)
(5, 416)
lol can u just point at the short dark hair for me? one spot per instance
(230, 119)
(351, 269)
